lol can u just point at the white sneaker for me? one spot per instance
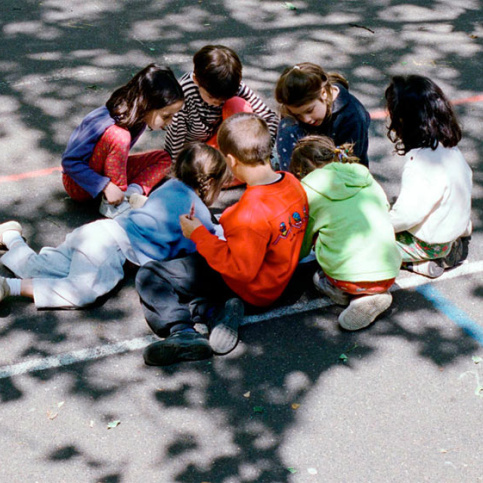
(111, 211)
(4, 288)
(9, 225)
(326, 288)
(362, 311)
(429, 268)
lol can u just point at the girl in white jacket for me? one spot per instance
(431, 216)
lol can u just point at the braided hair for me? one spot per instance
(313, 152)
(203, 168)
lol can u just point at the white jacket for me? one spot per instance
(435, 199)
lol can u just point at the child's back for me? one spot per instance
(349, 213)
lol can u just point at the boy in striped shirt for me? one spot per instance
(213, 92)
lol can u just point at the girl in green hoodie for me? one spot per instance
(349, 229)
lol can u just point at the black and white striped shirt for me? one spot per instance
(198, 121)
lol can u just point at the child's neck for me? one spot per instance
(260, 175)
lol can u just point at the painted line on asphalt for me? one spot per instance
(412, 281)
(456, 315)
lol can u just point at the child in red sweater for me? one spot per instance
(254, 262)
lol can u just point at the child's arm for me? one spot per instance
(176, 133)
(260, 108)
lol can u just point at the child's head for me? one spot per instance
(203, 168)
(152, 96)
(313, 152)
(217, 72)
(305, 92)
(420, 114)
(246, 137)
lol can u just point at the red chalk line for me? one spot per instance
(375, 115)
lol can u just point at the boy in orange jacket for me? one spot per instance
(263, 233)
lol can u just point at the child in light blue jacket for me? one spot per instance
(90, 262)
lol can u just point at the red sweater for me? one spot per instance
(264, 233)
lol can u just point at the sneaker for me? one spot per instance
(335, 294)
(429, 268)
(4, 288)
(9, 225)
(224, 331)
(178, 347)
(137, 200)
(456, 255)
(111, 211)
(362, 311)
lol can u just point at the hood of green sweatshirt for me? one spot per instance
(339, 181)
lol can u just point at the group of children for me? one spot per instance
(322, 201)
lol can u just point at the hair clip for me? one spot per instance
(342, 154)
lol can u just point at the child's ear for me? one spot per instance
(231, 161)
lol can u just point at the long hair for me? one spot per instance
(313, 152)
(154, 87)
(303, 83)
(203, 168)
(420, 115)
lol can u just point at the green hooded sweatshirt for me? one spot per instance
(349, 224)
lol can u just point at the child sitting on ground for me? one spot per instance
(90, 262)
(213, 92)
(97, 158)
(263, 234)
(315, 102)
(350, 228)
(431, 216)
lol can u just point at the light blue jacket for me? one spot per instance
(154, 230)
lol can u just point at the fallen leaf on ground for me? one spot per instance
(51, 415)
(247, 394)
(295, 406)
(113, 424)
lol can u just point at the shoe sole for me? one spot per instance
(173, 353)
(224, 335)
(362, 311)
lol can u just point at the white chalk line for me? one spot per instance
(90, 354)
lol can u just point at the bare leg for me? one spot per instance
(27, 288)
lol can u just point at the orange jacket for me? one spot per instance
(264, 233)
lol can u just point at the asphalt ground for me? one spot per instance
(299, 400)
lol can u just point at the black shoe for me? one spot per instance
(178, 347)
(457, 254)
(224, 331)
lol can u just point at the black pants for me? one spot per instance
(173, 292)
(176, 291)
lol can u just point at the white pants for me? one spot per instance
(88, 264)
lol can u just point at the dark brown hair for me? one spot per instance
(313, 152)
(303, 83)
(203, 168)
(218, 69)
(245, 136)
(420, 115)
(154, 87)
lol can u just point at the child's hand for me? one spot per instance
(188, 225)
(114, 195)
